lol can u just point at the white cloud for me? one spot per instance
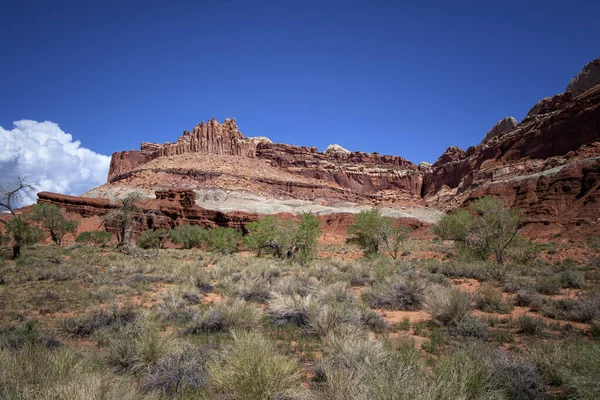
(49, 159)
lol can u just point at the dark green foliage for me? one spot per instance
(584, 309)
(224, 240)
(22, 233)
(97, 238)
(54, 221)
(548, 285)
(528, 298)
(530, 325)
(188, 235)
(570, 279)
(284, 239)
(4, 239)
(487, 228)
(372, 231)
(152, 239)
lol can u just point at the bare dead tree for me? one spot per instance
(21, 232)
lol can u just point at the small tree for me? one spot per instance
(393, 237)
(21, 232)
(372, 231)
(487, 228)
(124, 218)
(54, 221)
(366, 231)
(284, 239)
(189, 235)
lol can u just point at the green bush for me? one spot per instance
(224, 240)
(152, 239)
(574, 366)
(487, 228)
(188, 235)
(489, 299)
(531, 326)
(372, 231)
(284, 239)
(97, 238)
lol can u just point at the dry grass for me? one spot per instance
(91, 322)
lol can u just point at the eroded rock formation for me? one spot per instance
(504, 125)
(586, 79)
(548, 165)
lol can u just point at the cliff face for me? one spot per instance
(548, 165)
(362, 173)
(558, 134)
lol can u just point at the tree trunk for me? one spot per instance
(16, 251)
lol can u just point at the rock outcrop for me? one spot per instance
(207, 138)
(548, 165)
(561, 133)
(586, 79)
(504, 125)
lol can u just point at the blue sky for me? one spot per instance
(401, 78)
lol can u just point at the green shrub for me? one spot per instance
(138, 346)
(224, 240)
(570, 279)
(470, 327)
(284, 239)
(548, 285)
(188, 235)
(489, 299)
(582, 310)
(487, 228)
(152, 239)
(574, 366)
(250, 368)
(530, 325)
(372, 231)
(529, 298)
(35, 373)
(97, 238)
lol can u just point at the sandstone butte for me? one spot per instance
(548, 165)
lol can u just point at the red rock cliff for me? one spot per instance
(208, 138)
